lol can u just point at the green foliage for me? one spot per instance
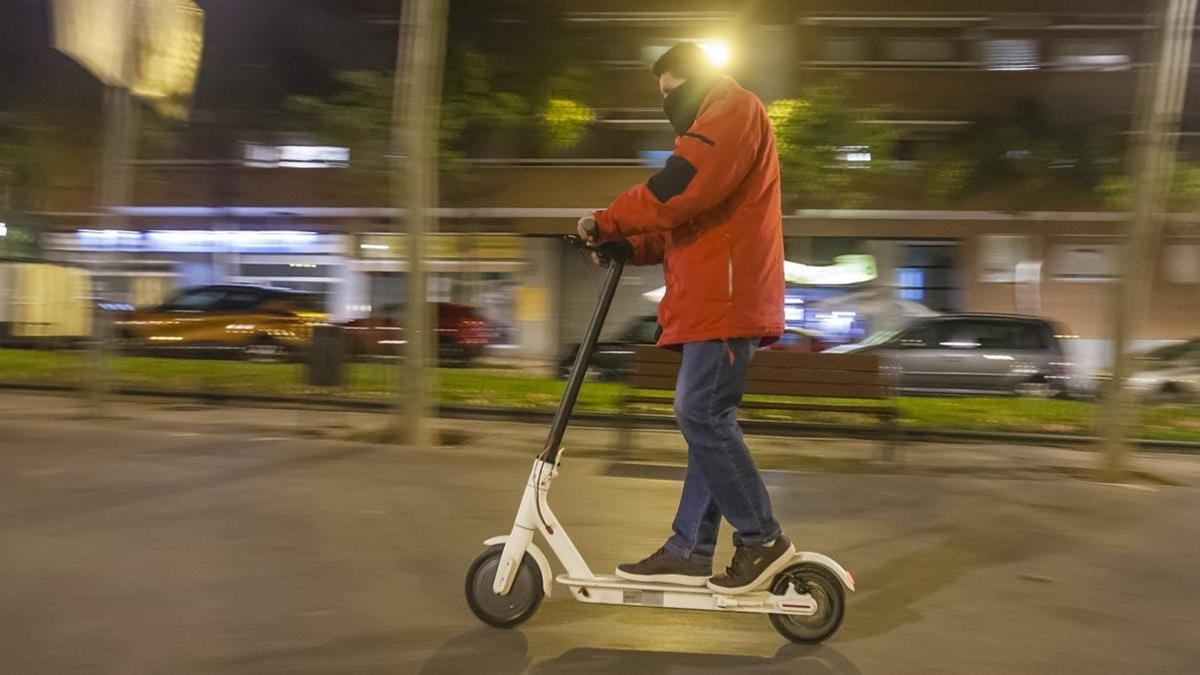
(566, 121)
(1117, 189)
(357, 116)
(1022, 150)
(22, 239)
(158, 136)
(813, 132)
(506, 82)
(37, 156)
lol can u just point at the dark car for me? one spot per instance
(462, 334)
(973, 354)
(610, 360)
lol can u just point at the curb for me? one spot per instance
(608, 420)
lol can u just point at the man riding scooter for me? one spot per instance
(712, 217)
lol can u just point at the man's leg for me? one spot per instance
(711, 383)
(697, 520)
(707, 396)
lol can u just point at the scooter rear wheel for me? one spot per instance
(825, 589)
(503, 611)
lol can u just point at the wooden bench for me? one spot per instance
(795, 375)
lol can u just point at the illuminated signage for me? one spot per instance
(198, 240)
(846, 270)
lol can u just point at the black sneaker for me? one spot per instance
(753, 566)
(664, 567)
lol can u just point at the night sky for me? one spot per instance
(256, 52)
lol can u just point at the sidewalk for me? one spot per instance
(845, 455)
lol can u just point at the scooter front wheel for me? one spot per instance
(825, 589)
(503, 611)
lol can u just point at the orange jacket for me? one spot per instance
(712, 217)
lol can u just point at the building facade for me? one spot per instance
(936, 67)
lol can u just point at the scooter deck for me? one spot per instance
(612, 590)
(610, 581)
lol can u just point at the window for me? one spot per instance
(1085, 262)
(196, 300)
(919, 337)
(1009, 54)
(306, 302)
(999, 255)
(241, 299)
(911, 283)
(927, 273)
(1100, 55)
(998, 335)
(843, 49)
(919, 49)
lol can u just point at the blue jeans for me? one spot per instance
(722, 479)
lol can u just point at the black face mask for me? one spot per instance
(682, 103)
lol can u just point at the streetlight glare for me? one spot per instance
(717, 51)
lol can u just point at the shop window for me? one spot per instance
(1095, 55)
(843, 49)
(999, 255)
(919, 49)
(1010, 54)
(1085, 262)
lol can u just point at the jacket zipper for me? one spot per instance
(730, 287)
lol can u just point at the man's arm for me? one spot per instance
(708, 164)
(649, 248)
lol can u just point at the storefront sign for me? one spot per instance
(441, 246)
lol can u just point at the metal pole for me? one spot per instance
(120, 132)
(415, 106)
(1155, 140)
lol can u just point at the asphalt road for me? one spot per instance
(133, 548)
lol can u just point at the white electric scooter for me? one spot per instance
(505, 585)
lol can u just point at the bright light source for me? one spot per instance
(3, 229)
(718, 52)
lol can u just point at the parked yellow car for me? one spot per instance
(260, 321)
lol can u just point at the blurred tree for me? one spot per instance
(1023, 151)
(829, 149)
(159, 137)
(36, 159)
(512, 87)
(1184, 196)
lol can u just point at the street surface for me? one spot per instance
(134, 546)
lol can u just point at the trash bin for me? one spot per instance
(326, 352)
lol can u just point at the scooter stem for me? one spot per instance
(562, 415)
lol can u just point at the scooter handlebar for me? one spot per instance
(613, 251)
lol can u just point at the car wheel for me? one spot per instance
(1036, 387)
(1173, 392)
(264, 349)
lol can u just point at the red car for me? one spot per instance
(461, 333)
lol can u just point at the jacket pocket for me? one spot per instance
(703, 271)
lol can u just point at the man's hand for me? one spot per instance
(586, 228)
(587, 231)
